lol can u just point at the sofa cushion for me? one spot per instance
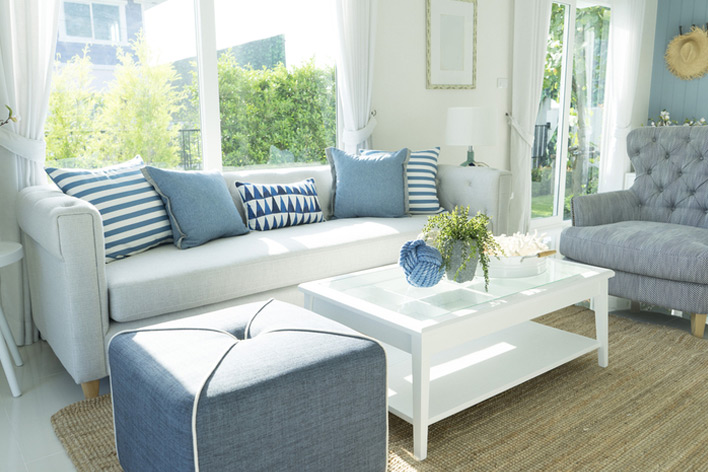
(198, 203)
(133, 215)
(660, 250)
(421, 178)
(160, 281)
(272, 206)
(372, 185)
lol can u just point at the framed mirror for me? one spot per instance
(451, 30)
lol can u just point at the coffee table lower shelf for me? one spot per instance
(475, 371)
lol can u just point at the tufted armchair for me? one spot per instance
(654, 235)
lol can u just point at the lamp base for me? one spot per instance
(470, 158)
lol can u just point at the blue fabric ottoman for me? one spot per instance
(270, 387)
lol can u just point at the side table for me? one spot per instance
(9, 254)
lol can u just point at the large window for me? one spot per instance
(110, 103)
(568, 131)
(272, 78)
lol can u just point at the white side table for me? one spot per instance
(9, 254)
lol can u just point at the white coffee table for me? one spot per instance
(454, 345)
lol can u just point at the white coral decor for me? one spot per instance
(521, 244)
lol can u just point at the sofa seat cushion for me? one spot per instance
(660, 250)
(165, 279)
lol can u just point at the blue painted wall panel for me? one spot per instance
(684, 99)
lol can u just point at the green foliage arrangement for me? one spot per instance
(288, 108)
(443, 230)
(10, 117)
(134, 116)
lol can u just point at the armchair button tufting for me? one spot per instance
(667, 155)
(648, 171)
(653, 140)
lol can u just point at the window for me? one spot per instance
(568, 131)
(109, 103)
(276, 81)
(93, 21)
(269, 97)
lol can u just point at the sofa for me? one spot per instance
(654, 235)
(79, 302)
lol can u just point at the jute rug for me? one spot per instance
(645, 412)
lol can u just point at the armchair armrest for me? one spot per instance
(65, 256)
(481, 188)
(604, 208)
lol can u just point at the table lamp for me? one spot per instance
(470, 126)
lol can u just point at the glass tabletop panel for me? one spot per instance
(387, 287)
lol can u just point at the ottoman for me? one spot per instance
(263, 386)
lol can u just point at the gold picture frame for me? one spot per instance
(451, 47)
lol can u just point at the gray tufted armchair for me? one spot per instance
(654, 235)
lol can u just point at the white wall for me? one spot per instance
(408, 114)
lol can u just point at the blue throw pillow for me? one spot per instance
(270, 206)
(134, 217)
(421, 174)
(198, 203)
(372, 185)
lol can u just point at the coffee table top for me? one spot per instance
(386, 289)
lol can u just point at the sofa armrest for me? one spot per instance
(604, 208)
(481, 188)
(65, 256)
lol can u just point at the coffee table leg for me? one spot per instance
(421, 399)
(601, 326)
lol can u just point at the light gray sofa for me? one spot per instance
(654, 235)
(79, 302)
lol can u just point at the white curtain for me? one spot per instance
(531, 22)
(28, 35)
(626, 22)
(356, 21)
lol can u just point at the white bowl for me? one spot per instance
(516, 266)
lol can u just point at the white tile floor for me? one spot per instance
(27, 440)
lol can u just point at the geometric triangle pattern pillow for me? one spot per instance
(133, 215)
(271, 206)
(421, 176)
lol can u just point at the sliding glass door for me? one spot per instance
(568, 131)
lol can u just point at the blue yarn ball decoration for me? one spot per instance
(421, 263)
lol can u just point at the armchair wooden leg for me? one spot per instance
(634, 307)
(698, 324)
(91, 388)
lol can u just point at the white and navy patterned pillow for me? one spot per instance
(270, 206)
(422, 172)
(134, 217)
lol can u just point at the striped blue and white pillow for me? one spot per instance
(134, 217)
(422, 172)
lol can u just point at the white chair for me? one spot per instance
(9, 254)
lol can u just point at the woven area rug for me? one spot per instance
(645, 412)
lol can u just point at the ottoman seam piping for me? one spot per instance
(196, 403)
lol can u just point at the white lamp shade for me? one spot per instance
(471, 126)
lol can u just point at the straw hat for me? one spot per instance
(687, 55)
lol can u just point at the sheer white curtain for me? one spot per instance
(531, 21)
(626, 22)
(28, 35)
(356, 21)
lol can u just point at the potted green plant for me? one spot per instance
(462, 241)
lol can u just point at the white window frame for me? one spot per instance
(63, 36)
